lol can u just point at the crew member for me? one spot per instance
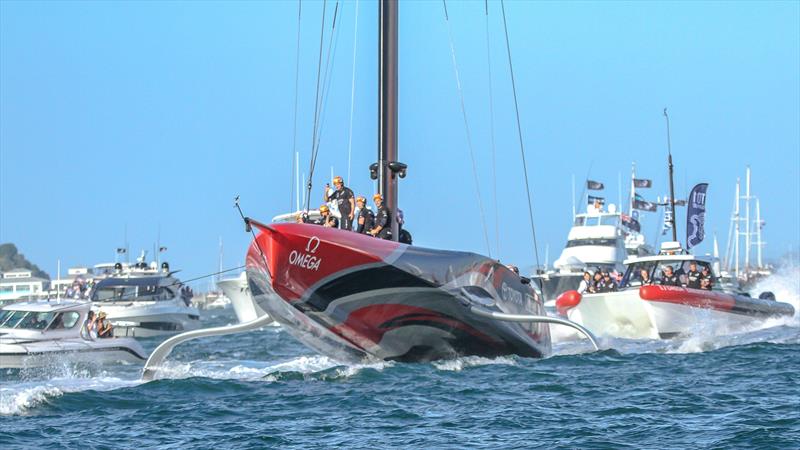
(383, 219)
(693, 276)
(327, 219)
(583, 287)
(366, 219)
(706, 279)
(344, 199)
(668, 278)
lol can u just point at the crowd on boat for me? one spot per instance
(96, 326)
(603, 281)
(377, 224)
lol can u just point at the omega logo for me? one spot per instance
(313, 244)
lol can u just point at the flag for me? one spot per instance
(696, 216)
(594, 185)
(642, 183)
(162, 249)
(680, 202)
(631, 223)
(593, 199)
(121, 250)
(640, 203)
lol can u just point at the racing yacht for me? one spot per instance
(34, 333)
(650, 311)
(142, 301)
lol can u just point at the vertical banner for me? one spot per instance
(696, 216)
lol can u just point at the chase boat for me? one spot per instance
(33, 333)
(651, 311)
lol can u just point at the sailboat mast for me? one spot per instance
(387, 107)
(671, 182)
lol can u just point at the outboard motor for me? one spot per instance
(767, 295)
(165, 267)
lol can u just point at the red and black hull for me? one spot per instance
(354, 297)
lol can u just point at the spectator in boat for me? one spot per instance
(597, 282)
(609, 285)
(668, 278)
(327, 220)
(383, 219)
(583, 287)
(89, 327)
(693, 276)
(706, 280)
(366, 219)
(104, 328)
(345, 200)
(645, 276)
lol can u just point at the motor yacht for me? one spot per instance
(143, 300)
(597, 240)
(642, 310)
(33, 333)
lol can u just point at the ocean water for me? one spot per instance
(263, 389)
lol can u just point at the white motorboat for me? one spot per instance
(649, 311)
(597, 239)
(237, 290)
(34, 333)
(143, 301)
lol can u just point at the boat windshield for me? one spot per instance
(65, 320)
(9, 318)
(655, 271)
(598, 242)
(116, 289)
(35, 321)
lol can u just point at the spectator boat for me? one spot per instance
(661, 312)
(36, 333)
(143, 301)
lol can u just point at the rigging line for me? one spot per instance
(519, 132)
(491, 133)
(352, 96)
(326, 78)
(316, 107)
(466, 127)
(296, 89)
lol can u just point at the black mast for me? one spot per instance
(388, 168)
(671, 183)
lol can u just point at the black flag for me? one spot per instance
(696, 216)
(631, 223)
(642, 183)
(640, 203)
(122, 250)
(594, 185)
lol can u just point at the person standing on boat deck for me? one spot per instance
(344, 199)
(668, 278)
(383, 219)
(327, 220)
(366, 219)
(693, 276)
(89, 327)
(583, 287)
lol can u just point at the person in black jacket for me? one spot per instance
(383, 219)
(668, 278)
(366, 218)
(345, 201)
(327, 219)
(693, 276)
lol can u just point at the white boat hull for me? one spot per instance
(237, 290)
(145, 319)
(15, 353)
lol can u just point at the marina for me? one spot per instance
(390, 179)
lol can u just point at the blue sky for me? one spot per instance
(152, 116)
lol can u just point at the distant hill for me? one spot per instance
(10, 258)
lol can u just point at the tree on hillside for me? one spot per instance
(11, 259)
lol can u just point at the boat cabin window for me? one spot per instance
(11, 318)
(597, 242)
(609, 220)
(65, 320)
(580, 221)
(35, 321)
(130, 290)
(655, 270)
